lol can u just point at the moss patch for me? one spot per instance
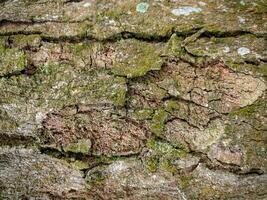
(135, 58)
(82, 146)
(157, 125)
(163, 156)
(11, 60)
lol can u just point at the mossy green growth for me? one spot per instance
(248, 111)
(80, 48)
(260, 70)
(113, 88)
(48, 69)
(184, 181)
(143, 114)
(157, 125)
(88, 85)
(21, 41)
(119, 95)
(174, 46)
(11, 60)
(172, 106)
(113, 14)
(80, 165)
(135, 58)
(152, 164)
(164, 155)
(96, 175)
(81, 146)
(164, 148)
(260, 6)
(251, 114)
(107, 159)
(6, 122)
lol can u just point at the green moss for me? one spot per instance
(260, 7)
(78, 49)
(21, 41)
(172, 105)
(152, 164)
(106, 159)
(88, 85)
(167, 164)
(143, 114)
(256, 70)
(164, 148)
(164, 156)
(3, 41)
(249, 110)
(49, 69)
(113, 14)
(119, 95)
(184, 181)
(96, 177)
(166, 30)
(113, 88)
(11, 60)
(251, 114)
(80, 165)
(173, 46)
(136, 58)
(82, 146)
(229, 129)
(157, 125)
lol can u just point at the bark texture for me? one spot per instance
(115, 99)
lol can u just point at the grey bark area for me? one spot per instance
(115, 99)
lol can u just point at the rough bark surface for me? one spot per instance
(115, 99)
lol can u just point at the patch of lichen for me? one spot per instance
(163, 156)
(135, 58)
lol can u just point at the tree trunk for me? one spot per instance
(104, 99)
